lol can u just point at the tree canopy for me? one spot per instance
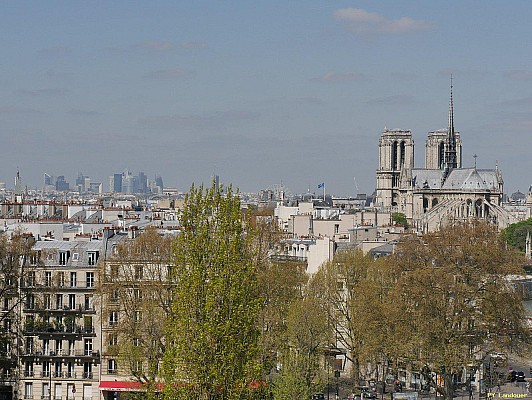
(212, 328)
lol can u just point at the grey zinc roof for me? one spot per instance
(460, 178)
(471, 179)
(427, 178)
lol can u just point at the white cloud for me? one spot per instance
(357, 15)
(367, 23)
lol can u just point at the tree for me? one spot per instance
(15, 257)
(212, 328)
(400, 219)
(453, 304)
(515, 234)
(351, 290)
(135, 284)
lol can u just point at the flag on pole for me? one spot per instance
(320, 185)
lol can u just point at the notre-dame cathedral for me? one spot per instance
(444, 190)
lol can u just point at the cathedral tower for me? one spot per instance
(396, 153)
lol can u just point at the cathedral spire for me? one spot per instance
(450, 159)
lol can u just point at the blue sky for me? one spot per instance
(260, 93)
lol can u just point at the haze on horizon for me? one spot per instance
(259, 93)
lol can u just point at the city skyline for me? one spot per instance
(259, 94)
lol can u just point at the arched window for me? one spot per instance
(395, 148)
(403, 150)
(441, 155)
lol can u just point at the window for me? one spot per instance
(29, 345)
(70, 372)
(137, 366)
(59, 347)
(58, 391)
(63, 257)
(71, 347)
(88, 302)
(111, 366)
(72, 301)
(46, 390)
(47, 302)
(87, 371)
(137, 294)
(92, 257)
(45, 369)
(58, 301)
(30, 302)
(113, 318)
(48, 278)
(88, 347)
(34, 257)
(28, 390)
(28, 369)
(113, 340)
(114, 272)
(61, 279)
(115, 295)
(137, 316)
(73, 279)
(89, 279)
(6, 304)
(75, 256)
(138, 272)
(31, 279)
(46, 347)
(58, 369)
(136, 342)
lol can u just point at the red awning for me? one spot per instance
(121, 386)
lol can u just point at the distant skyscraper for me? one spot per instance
(61, 184)
(215, 179)
(142, 183)
(117, 183)
(159, 183)
(48, 179)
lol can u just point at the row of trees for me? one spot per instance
(229, 316)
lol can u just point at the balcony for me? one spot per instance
(50, 329)
(80, 354)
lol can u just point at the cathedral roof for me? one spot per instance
(458, 179)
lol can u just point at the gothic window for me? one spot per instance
(395, 147)
(403, 151)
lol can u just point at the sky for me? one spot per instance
(260, 93)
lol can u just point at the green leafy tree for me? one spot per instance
(515, 234)
(400, 219)
(212, 329)
(350, 289)
(452, 305)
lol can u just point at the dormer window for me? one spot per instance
(75, 256)
(63, 257)
(92, 257)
